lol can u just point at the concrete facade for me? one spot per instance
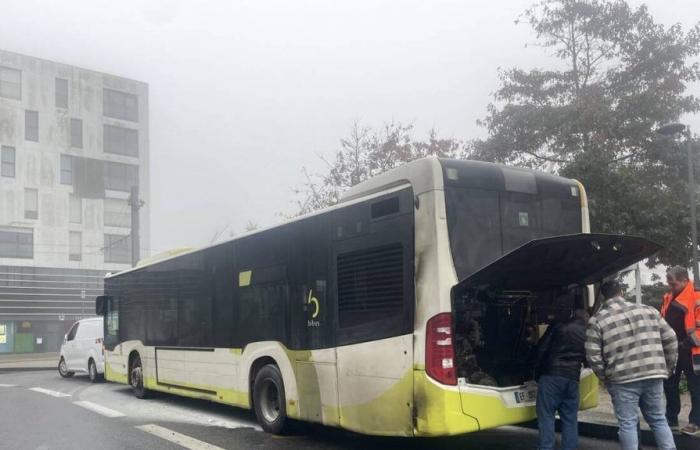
(72, 141)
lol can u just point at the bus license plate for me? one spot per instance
(527, 396)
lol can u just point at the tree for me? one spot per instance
(653, 293)
(617, 75)
(364, 153)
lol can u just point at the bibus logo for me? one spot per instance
(311, 300)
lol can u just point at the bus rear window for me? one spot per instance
(484, 225)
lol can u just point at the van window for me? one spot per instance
(71, 333)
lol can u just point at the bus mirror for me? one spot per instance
(100, 305)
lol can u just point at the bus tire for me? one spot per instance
(269, 401)
(136, 378)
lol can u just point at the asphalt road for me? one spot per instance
(40, 410)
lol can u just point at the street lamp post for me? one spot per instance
(670, 130)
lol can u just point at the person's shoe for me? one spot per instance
(691, 430)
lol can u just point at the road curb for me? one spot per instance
(25, 369)
(608, 432)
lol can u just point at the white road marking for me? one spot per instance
(49, 392)
(99, 409)
(7, 385)
(177, 438)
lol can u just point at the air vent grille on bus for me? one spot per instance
(371, 280)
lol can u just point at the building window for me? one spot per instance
(117, 213)
(117, 248)
(31, 126)
(76, 133)
(120, 177)
(10, 83)
(75, 213)
(75, 246)
(31, 203)
(7, 161)
(120, 140)
(120, 105)
(16, 242)
(66, 169)
(61, 93)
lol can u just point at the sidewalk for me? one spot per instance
(28, 361)
(603, 413)
(600, 422)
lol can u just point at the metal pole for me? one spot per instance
(135, 203)
(693, 217)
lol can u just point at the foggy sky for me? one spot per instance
(245, 93)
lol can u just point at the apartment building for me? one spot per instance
(73, 143)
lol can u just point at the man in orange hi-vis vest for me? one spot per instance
(681, 309)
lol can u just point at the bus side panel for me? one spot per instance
(115, 367)
(376, 386)
(292, 260)
(312, 312)
(372, 268)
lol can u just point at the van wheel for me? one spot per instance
(136, 379)
(269, 400)
(92, 371)
(63, 369)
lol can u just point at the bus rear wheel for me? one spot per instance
(269, 400)
(136, 378)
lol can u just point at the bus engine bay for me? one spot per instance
(496, 331)
(501, 310)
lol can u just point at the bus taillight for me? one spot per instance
(439, 349)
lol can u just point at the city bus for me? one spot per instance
(411, 308)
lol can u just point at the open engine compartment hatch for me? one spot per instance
(561, 261)
(500, 311)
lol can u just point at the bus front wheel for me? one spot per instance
(269, 400)
(136, 378)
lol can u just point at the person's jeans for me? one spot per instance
(647, 395)
(673, 396)
(555, 393)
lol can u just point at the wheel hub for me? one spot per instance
(136, 377)
(270, 401)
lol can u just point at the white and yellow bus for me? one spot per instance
(409, 309)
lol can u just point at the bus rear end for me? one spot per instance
(520, 261)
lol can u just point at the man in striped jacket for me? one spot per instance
(633, 350)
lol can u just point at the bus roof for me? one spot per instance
(426, 174)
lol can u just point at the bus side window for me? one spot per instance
(262, 304)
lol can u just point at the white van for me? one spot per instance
(82, 350)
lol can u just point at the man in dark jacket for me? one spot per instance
(560, 356)
(681, 309)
